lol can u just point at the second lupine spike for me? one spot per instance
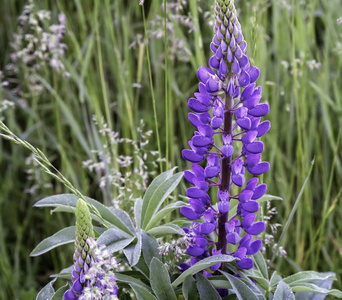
(83, 258)
(236, 116)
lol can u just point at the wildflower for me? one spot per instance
(92, 277)
(227, 104)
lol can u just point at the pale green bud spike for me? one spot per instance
(84, 226)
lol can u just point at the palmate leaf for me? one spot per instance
(155, 198)
(68, 202)
(160, 281)
(62, 237)
(201, 265)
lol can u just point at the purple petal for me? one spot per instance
(69, 295)
(245, 241)
(189, 176)
(263, 128)
(214, 62)
(189, 213)
(223, 67)
(250, 206)
(254, 73)
(243, 78)
(207, 228)
(252, 101)
(227, 150)
(255, 147)
(259, 168)
(254, 247)
(197, 106)
(204, 74)
(245, 196)
(204, 98)
(223, 206)
(211, 172)
(251, 184)
(195, 250)
(212, 85)
(249, 137)
(192, 156)
(248, 220)
(240, 253)
(194, 120)
(238, 179)
(256, 228)
(195, 193)
(184, 266)
(232, 238)
(200, 141)
(238, 52)
(236, 67)
(218, 53)
(243, 61)
(77, 286)
(198, 170)
(213, 48)
(259, 191)
(244, 123)
(247, 92)
(239, 37)
(229, 55)
(245, 263)
(216, 122)
(197, 206)
(241, 112)
(253, 159)
(260, 110)
(206, 130)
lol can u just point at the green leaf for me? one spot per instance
(137, 212)
(205, 289)
(69, 201)
(327, 284)
(165, 230)
(131, 280)
(283, 292)
(160, 281)
(115, 240)
(60, 292)
(65, 273)
(261, 264)
(275, 278)
(241, 290)
(268, 197)
(124, 218)
(201, 265)
(133, 252)
(162, 213)
(312, 288)
(149, 248)
(47, 292)
(154, 186)
(141, 293)
(308, 276)
(158, 197)
(189, 289)
(62, 237)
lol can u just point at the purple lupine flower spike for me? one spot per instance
(228, 104)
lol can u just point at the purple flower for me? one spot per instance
(228, 104)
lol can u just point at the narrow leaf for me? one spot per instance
(283, 292)
(115, 240)
(201, 265)
(159, 196)
(141, 293)
(153, 187)
(62, 237)
(60, 292)
(312, 288)
(131, 280)
(241, 290)
(160, 281)
(162, 213)
(308, 276)
(137, 212)
(261, 264)
(189, 289)
(149, 248)
(205, 289)
(133, 252)
(47, 292)
(165, 230)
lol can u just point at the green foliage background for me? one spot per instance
(306, 116)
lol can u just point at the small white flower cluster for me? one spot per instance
(35, 45)
(174, 247)
(128, 174)
(100, 276)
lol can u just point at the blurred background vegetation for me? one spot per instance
(80, 96)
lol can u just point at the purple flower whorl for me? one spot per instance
(227, 104)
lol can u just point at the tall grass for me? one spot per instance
(105, 78)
